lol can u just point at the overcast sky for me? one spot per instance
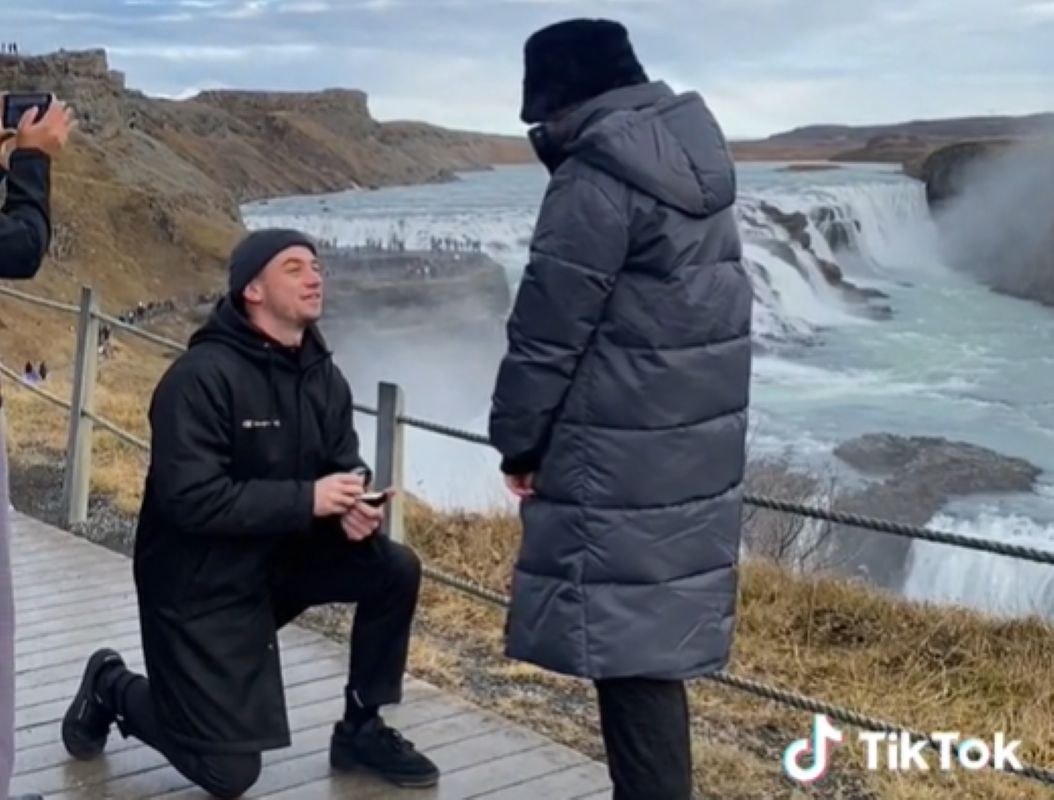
(763, 65)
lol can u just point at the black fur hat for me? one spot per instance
(573, 61)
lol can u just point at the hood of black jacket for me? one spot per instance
(228, 326)
(666, 145)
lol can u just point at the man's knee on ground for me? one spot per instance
(229, 776)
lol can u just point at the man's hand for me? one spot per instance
(7, 145)
(521, 485)
(336, 494)
(363, 520)
(49, 133)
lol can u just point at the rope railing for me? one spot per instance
(125, 436)
(878, 525)
(17, 378)
(801, 509)
(756, 688)
(43, 302)
(497, 599)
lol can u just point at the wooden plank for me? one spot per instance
(570, 782)
(312, 724)
(47, 750)
(479, 753)
(100, 612)
(491, 760)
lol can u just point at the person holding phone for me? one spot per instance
(28, 143)
(253, 511)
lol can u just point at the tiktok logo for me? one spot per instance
(820, 745)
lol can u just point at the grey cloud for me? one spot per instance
(763, 64)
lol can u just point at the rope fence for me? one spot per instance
(758, 689)
(800, 509)
(499, 600)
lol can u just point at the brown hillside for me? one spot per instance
(898, 142)
(146, 196)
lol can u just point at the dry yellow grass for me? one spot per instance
(933, 669)
(38, 428)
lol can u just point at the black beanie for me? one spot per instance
(259, 247)
(573, 61)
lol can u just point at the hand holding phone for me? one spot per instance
(45, 129)
(375, 499)
(16, 104)
(365, 517)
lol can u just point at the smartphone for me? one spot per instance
(374, 498)
(15, 105)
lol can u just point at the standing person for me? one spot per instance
(620, 408)
(251, 514)
(25, 236)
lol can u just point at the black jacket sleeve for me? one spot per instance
(25, 224)
(191, 459)
(579, 245)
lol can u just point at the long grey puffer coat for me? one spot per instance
(625, 389)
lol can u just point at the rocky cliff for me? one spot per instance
(993, 201)
(146, 197)
(946, 170)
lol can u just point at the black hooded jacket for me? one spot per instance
(25, 219)
(242, 427)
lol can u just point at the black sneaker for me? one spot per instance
(380, 748)
(86, 725)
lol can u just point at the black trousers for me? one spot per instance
(647, 737)
(381, 576)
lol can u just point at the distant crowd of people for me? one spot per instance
(397, 244)
(142, 312)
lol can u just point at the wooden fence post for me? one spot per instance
(77, 478)
(389, 467)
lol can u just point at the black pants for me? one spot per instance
(381, 576)
(647, 738)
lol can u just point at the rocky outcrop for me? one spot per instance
(993, 202)
(146, 197)
(394, 289)
(82, 78)
(914, 476)
(796, 225)
(946, 170)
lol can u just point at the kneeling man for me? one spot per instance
(251, 514)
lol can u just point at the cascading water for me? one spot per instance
(861, 327)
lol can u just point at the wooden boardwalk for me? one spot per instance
(73, 596)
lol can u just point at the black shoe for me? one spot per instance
(380, 748)
(86, 725)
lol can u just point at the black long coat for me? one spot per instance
(241, 429)
(626, 389)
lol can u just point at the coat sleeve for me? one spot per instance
(579, 245)
(25, 226)
(191, 462)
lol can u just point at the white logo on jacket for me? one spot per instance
(261, 423)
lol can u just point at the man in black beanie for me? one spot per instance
(252, 514)
(620, 408)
